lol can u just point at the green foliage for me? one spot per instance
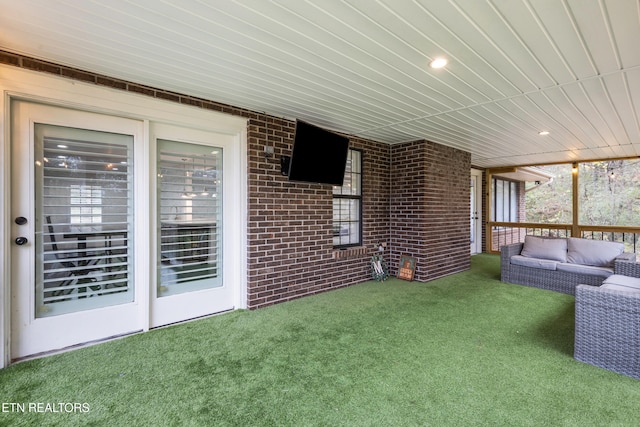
(608, 194)
(550, 203)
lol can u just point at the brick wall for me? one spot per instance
(430, 208)
(290, 232)
(408, 195)
(421, 198)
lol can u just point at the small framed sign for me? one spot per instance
(407, 268)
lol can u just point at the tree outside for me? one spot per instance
(550, 202)
(609, 194)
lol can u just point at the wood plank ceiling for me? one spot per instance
(516, 67)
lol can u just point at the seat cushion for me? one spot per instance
(598, 253)
(524, 261)
(585, 269)
(619, 288)
(621, 282)
(545, 248)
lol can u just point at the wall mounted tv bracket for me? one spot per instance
(285, 161)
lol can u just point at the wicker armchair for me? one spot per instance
(607, 331)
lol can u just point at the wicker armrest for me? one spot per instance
(610, 299)
(627, 268)
(508, 251)
(626, 256)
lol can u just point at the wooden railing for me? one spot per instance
(505, 233)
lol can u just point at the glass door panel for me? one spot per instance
(84, 207)
(475, 202)
(190, 210)
(473, 209)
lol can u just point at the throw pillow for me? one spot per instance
(598, 253)
(545, 248)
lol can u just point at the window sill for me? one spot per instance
(349, 252)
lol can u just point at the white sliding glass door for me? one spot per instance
(191, 223)
(125, 213)
(72, 201)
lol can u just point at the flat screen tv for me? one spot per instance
(318, 155)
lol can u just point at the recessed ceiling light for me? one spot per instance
(543, 132)
(438, 63)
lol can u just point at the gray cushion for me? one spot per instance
(619, 288)
(618, 280)
(598, 253)
(545, 248)
(585, 269)
(524, 261)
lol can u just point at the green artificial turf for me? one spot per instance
(464, 350)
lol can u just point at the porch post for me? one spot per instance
(575, 229)
(488, 231)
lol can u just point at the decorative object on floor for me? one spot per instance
(407, 268)
(379, 269)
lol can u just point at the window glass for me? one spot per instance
(347, 204)
(85, 202)
(609, 193)
(190, 206)
(549, 201)
(505, 200)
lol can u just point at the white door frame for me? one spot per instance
(170, 309)
(109, 320)
(476, 246)
(20, 84)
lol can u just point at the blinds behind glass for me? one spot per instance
(190, 207)
(84, 182)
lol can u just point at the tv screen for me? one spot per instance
(318, 155)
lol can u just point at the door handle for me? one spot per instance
(21, 240)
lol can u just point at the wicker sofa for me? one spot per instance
(561, 264)
(607, 331)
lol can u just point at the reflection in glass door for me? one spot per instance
(190, 213)
(84, 182)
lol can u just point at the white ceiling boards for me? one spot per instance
(515, 67)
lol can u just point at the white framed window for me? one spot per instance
(505, 201)
(347, 204)
(85, 204)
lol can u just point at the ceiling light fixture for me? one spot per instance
(438, 63)
(543, 132)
